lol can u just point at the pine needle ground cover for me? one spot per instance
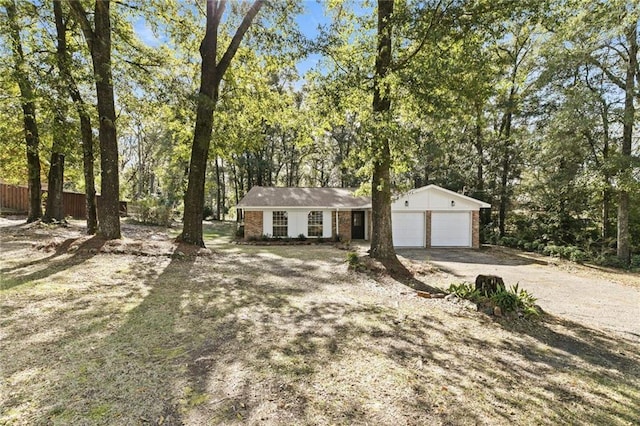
(144, 331)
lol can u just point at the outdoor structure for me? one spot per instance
(15, 199)
(430, 216)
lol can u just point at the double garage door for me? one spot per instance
(448, 229)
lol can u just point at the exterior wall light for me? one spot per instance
(406, 203)
(453, 203)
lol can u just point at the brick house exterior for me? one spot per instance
(430, 216)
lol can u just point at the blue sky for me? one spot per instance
(308, 21)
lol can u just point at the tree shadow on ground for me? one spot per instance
(81, 253)
(400, 273)
(230, 339)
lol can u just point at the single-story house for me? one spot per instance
(430, 216)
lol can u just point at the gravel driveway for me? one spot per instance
(605, 300)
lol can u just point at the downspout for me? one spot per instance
(337, 234)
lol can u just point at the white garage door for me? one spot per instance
(408, 229)
(450, 229)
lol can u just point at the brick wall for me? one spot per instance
(475, 229)
(344, 225)
(427, 229)
(252, 224)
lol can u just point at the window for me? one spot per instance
(314, 224)
(280, 224)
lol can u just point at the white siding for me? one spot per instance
(433, 199)
(267, 222)
(297, 222)
(326, 224)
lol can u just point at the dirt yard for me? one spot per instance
(595, 297)
(144, 331)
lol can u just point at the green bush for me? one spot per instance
(352, 259)
(515, 299)
(635, 261)
(465, 291)
(151, 211)
(207, 212)
(577, 255)
(507, 300)
(302, 237)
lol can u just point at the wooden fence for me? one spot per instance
(15, 199)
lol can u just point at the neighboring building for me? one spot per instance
(430, 216)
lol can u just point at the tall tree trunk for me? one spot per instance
(606, 178)
(64, 65)
(218, 190)
(87, 163)
(479, 145)
(28, 104)
(381, 238)
(210, 76)
(99, 43)
(505, 133)
(54, 208)
(624, 239)
(109, 207)
(223, 189)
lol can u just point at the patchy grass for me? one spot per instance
(276, 335)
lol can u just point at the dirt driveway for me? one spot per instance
(593, 297)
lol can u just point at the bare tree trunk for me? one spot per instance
(381, 238)
(54, 208)
(624, 239)
(223, 184)
(606, 192)
(109, 207)
(210, 77)
(27, 101)
(99, 43)
(218, 210)
(505, 133)
(64, 65)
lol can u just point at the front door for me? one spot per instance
(357, 225)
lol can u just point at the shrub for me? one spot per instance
(577, 255)
(552, 250)
(302, 237)
(353, 260)
(151, 211)
(207, 212)
(240, 232)
(635, 261)
(465, 291)
(515, 299)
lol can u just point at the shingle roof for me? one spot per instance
(260, 196)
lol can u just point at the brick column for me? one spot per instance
(253, 224)
(427, 228)
(344, 225)
(475, 229)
